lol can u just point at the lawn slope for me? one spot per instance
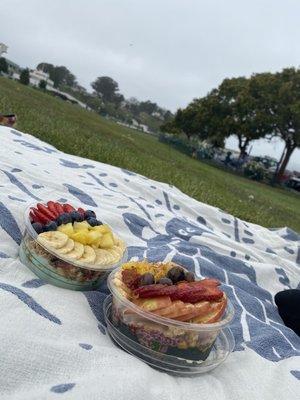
(83, 133)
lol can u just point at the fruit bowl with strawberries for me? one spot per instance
(162, 310)
(69, 247)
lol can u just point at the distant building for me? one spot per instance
(36, 76)
(14, 69)
(3, 49)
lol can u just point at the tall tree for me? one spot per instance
(24, 76)
(3, 65)
(60, 75)
(280, 107)
(106, 88)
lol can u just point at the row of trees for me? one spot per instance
(266, 105)
(106, 98)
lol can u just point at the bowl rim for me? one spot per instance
(32, 233)
(226, 319)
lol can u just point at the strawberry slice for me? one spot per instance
(81, 210)
(33, 217)
(68, 208)
(47, 213)
(155, 290)
(196, 294)
(41, 217)
(59, 208)
(52, 208)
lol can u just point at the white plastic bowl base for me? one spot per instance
(223, 346)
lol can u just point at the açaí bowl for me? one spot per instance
(57, 270)
(183, 340)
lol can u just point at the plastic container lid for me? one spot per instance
(32, 233)
(227, 317)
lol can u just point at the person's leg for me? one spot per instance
(288, 303)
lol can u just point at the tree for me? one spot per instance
(106, 88)
(45, 67)
(148, 107)
(280, 107)
(43, 84)
(3, 65)
(24, 76)
(118, 99)
(60, 75)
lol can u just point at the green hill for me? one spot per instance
(83, 133)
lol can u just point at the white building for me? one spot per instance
(3, 49)
(36, 76)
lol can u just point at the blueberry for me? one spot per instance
(52, 226)
(189, 276)
(92, 221)
(63, 219)
(146, 279)
(76, 216)
(89, 214)
(176, 274)
(165, 281)
(99, 222)
(38, 227)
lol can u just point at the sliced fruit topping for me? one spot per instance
(40, 217)
(155, 291)
(53, 239)
(47, 213)
(52, 208)
(69, 246)
(185, 292)
(68, 208)
(131, 278)
(59, 208)
(214, 314)
(89, 255)
(77, 252)
(153, 304)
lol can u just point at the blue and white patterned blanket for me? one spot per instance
(52, 341)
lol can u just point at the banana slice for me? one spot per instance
(54, 239)
(67, 248)
(77, 252)
(89, 255)
(115, 255)
(103, 257)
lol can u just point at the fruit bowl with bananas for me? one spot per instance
(69, 247)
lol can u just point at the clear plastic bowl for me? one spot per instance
(222, 347)
(58, 270)
(188, 341)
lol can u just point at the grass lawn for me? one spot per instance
(83, 133)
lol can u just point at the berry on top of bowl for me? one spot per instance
(75, 234)
(170, 291)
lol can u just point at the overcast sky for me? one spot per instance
(168, 51)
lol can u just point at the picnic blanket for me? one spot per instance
(53, 343)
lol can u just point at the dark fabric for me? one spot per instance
(288, 303)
